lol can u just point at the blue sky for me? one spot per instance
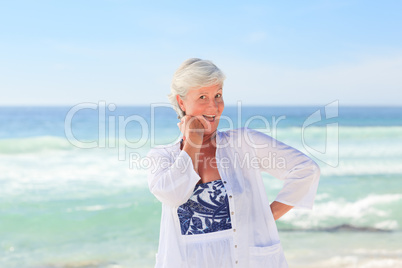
(272, 52)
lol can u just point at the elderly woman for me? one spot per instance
(215, 212)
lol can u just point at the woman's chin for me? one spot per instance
(210, 130)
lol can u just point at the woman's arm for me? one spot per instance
(171, 180)
(298, 171)
(279, 209)
(193, 133)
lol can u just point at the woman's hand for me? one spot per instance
(193, 128)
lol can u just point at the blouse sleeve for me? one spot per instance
(172, 181)
(299, 172)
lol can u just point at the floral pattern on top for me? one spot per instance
(206, 211)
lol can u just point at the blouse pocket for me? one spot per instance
(270, 256)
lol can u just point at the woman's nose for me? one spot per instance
(213, 103)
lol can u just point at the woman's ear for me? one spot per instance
(181, 103)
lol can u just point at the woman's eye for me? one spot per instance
(202, 97)
(219, 95)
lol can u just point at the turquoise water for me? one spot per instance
(63, 205)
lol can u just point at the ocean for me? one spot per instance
(74, 193)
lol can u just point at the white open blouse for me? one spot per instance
(253, 240)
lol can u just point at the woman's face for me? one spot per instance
(206, 102)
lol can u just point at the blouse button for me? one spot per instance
(232, 212)
(230, 196)
(234, 230)
(235, 246)
(224, 181)
(237, 262)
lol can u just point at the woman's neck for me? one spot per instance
(209, 138)
(208, 141)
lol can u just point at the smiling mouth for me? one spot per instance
(209, 118)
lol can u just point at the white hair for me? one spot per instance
(193, 74)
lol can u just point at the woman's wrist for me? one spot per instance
(192, 148)
(279, 209)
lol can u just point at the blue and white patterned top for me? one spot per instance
(206, 211)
